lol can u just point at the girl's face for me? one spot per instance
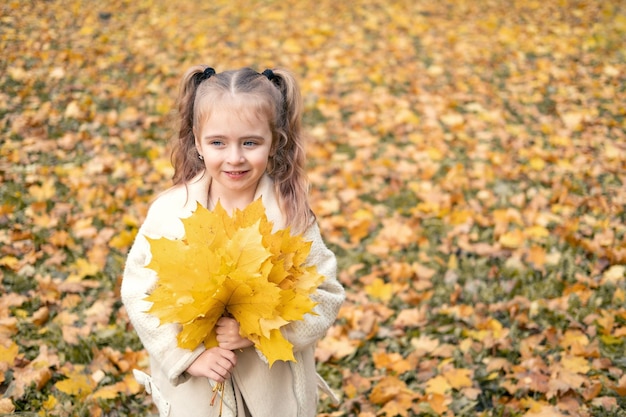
(235, 144)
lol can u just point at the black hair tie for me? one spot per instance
(208, 73)
(269, 74)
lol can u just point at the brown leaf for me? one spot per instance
(6, 406)
(605, 403)
(355, 384)
(37, 372)
(414, 317)
(619, 387)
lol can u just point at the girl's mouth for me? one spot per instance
(235, 174)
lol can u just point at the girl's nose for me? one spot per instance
(235, 156)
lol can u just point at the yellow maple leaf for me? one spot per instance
(77, 384)
(7, 358)
(43, 192)
(234, 266)
(80, 269)
(380, 290)
(8, 354)
(123, 240)
(438, 385)
(49, 403)
(458, 378)
(512, 239)
(575, 364)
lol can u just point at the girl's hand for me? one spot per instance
(227, 330)
(215, 363)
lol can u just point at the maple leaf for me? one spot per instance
(394, 395)
(7, 358)
(438, 385)
(236, 266)
(77, 384)
(393, 362)
(459, 378)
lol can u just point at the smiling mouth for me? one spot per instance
(235, 173)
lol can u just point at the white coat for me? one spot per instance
(288, 388)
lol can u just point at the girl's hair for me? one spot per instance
(273, 95)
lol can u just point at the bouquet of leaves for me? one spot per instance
(233, 265)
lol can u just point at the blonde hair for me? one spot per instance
(274, 95)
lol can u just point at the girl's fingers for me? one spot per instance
(215, 376)
(229, 359)
(222, 320)
(215, 363)
(221, 371)
(226, 325)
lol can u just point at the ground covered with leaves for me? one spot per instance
(468, 167)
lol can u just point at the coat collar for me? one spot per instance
(198, 191)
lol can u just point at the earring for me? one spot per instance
(200, 157)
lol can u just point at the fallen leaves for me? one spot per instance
(393, 395)
(467, 167)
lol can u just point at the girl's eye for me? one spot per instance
(217, 143)
(249, 143)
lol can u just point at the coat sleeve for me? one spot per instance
(137, 282)
(329, 296)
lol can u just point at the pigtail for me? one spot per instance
(184, 153)
(288, 157)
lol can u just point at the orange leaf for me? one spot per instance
(394, 394)
(438, 402)
(393, 362)
(537, 256)
(620, 387)
(438, 385)
(574, 339)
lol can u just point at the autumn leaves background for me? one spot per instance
(467, 161)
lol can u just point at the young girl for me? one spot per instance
(240, 139)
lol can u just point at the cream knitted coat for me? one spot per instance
(288, 389)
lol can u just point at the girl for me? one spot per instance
(240, 139)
